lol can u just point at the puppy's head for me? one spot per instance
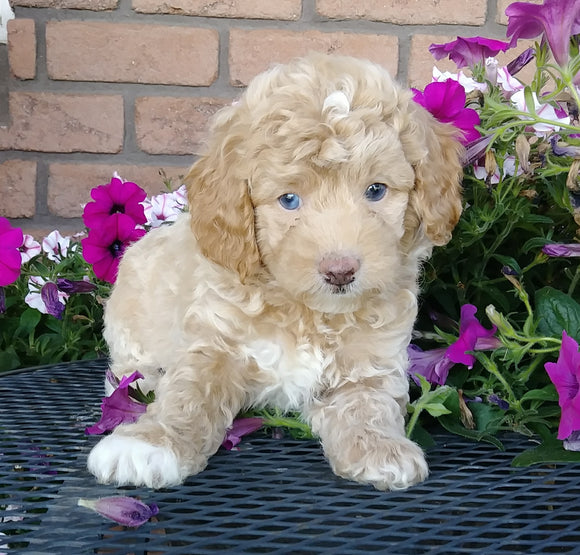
(325, 178)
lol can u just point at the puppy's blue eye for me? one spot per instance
(289, 201)
(376, 192)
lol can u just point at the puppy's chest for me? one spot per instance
(289, 372)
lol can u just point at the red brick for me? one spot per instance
(50, 122)
(17, 188)
(407, 12)
(173, 125)
(252, 52)
(94, 5)
(22, 48)
(257, 9)
(69, 185)
(131, 53)
(503, 4)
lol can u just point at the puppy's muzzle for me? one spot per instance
(338, 270)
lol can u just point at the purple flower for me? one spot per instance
(562, 249)
(117, 197)
(11, 239)
(521, 61)
(501, 403)
(565, 373)
(118, 408)
(38, 300)
(104, 247)
(2, 301)
(75, 286)
(472, 336)
(50, 298)
(557, 20)
(446, 101)
(435, 364)
(468, 51)
(563, 149)
(127, 511)
(240, 428)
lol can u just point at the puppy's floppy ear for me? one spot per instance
(222, 214)
(435, 202)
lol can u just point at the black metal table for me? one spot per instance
(271, 496)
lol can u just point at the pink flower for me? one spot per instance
(565, 375)
(104, 246)
(446, 101)
(29, 248)
(557, 20)
(545, 111)
(118, 408)
(56, 246)
(11, 239)
(468, 51)
(165, 207)
(117, 197)
(239, 428)
(472, 335)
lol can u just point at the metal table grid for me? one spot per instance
(271, 496)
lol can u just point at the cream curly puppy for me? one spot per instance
(292, 282)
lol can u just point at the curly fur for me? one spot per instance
(231, 306)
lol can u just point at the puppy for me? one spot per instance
(292, 281)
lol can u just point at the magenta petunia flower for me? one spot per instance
(240, 428)
(117, 197)
(565, 375)
(105, 245)
(435, 364)
(118, 408)
(446, 101)
(11, 239)
(472, 336)
(557, 20)
(562, 249)
(468, 51)
(127, 511)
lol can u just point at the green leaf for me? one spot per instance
(557, 312)
(547, 393)
(436, 409)
(9, 359)
(29, 319)
(549, 453)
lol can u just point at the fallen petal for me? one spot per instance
(127, 511)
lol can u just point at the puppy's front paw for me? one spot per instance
(386, 463)
(126, 460)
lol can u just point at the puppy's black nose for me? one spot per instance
(339, 270)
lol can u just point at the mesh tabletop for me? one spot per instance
(271, 496)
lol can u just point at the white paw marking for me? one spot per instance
(126, 460)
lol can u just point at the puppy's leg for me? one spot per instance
(361, 427)
(186, 424)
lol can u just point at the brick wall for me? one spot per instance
(97, 86)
